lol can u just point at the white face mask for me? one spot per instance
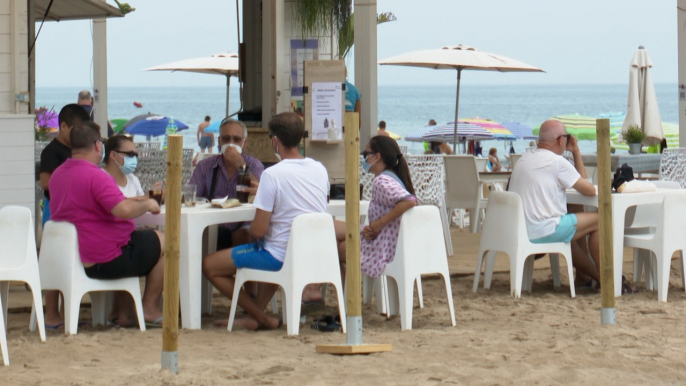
(233, 145)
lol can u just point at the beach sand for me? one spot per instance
(544, 338)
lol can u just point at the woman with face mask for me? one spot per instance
(121, 160)
(392, 195)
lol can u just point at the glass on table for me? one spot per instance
(189, 192)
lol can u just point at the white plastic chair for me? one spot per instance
(665, 239)
(464, 188)
(19, 262)
(640, 219)
(62, 270)
(311, 257)
(513, 160)
(482, 164)
(419, 251)
(504, 230)
(19, 259)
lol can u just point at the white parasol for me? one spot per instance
(642, 108)
(459, 58)
(220, 64)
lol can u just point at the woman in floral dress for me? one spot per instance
(392, 195)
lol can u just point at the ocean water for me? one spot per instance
(404, 108)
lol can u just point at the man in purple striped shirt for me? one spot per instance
(216, 177)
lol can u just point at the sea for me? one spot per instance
(404, 108)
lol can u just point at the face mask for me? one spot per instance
(366, 166)
(102, 158)
(233, 145)
(129, 165)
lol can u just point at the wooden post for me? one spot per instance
(352, 244)
(172, 236)
(607, 313)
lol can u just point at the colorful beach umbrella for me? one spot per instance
(582, 127)
(446, 133)
(499, 131)
(459, 58)
(153, 126)
(213, 127)
(520, 130)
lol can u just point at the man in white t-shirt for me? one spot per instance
(540, 179)
(294, 186)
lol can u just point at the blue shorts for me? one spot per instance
(254, 256)
(46, 211)
(205, 142)
(564, 231)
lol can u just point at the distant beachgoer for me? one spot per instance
(216, 177)
(382, 130)
(54, 155)
(109, 245)
(294, 186)
(352, 98)
(205, 140)
(432, 122)
(392, 195)
(85, 100)
(493, 161)
(540, 180)
(440, 148)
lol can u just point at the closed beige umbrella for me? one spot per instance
(459, 58)
(220, 64)
(642, 108)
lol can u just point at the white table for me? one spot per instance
(193, 223)
(620, 203)
(492, 177)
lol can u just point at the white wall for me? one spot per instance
(14, 69)
(17, 167)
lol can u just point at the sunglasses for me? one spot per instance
(128, 153)
(565, 135)
(367, 153)
(231, 138)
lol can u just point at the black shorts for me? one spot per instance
(137, 258)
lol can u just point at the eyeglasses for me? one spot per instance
(367, 153)
(231, 138)
(565, 135)
(128, 153)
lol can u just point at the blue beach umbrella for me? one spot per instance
(213, 128)
(520, 130)
(153, 126)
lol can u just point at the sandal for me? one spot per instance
(326, 324)
(627, 288)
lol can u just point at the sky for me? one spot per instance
(575, 42)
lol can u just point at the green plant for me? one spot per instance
(346, 35)
(320, 17)
(633, 134)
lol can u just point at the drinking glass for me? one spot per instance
(189, 192)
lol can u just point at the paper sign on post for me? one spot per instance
(327, 112)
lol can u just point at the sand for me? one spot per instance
(544, 338)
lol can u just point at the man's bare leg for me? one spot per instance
(220, 269)
(241, 236)
(586, 225)
(53, 317)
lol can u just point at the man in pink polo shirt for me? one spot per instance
(110, 247)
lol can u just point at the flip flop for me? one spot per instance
(156, 324)
(627, 288)
(114, 322)
(54, 326)
(326, 324)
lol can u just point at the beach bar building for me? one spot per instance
(17, 84)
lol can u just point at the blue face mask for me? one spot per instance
(366, 166)
(129, 165)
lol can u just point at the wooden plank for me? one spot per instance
(331, 155)
(352, 210)
(14, 182)
(10, 197)
(353, 349)
(17, 138)
(18, 153)
(172, 242)
(4, 44)
(5, 24)
(10, 168)
(5, 62)
(605, 214)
